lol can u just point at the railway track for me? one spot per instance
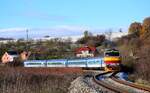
(131, 84)
(106, 85)
(113, 88)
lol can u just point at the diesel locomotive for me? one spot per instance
(112, 59)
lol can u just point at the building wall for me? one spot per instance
(85, 54)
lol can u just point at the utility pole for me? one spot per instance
(27, 37)
(27, 34)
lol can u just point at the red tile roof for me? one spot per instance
(85, 48)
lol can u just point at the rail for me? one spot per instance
(131, 84)
(106, 85)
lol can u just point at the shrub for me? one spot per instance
(36, 80)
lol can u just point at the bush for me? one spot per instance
(128, 64)
(36, 80)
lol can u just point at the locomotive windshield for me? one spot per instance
(112, 53)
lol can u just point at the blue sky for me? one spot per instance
(70, 14)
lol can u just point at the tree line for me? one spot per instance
(135, 50)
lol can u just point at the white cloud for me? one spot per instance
(13, 30)
(56, 31)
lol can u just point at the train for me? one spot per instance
(112, 60)
(83, 63)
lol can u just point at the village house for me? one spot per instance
(85, 51)
(9, 56)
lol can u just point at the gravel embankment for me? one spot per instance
(80, 86)
(85, 84)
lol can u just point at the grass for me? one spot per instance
(36, 80)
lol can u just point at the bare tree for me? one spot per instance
(108, 34)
